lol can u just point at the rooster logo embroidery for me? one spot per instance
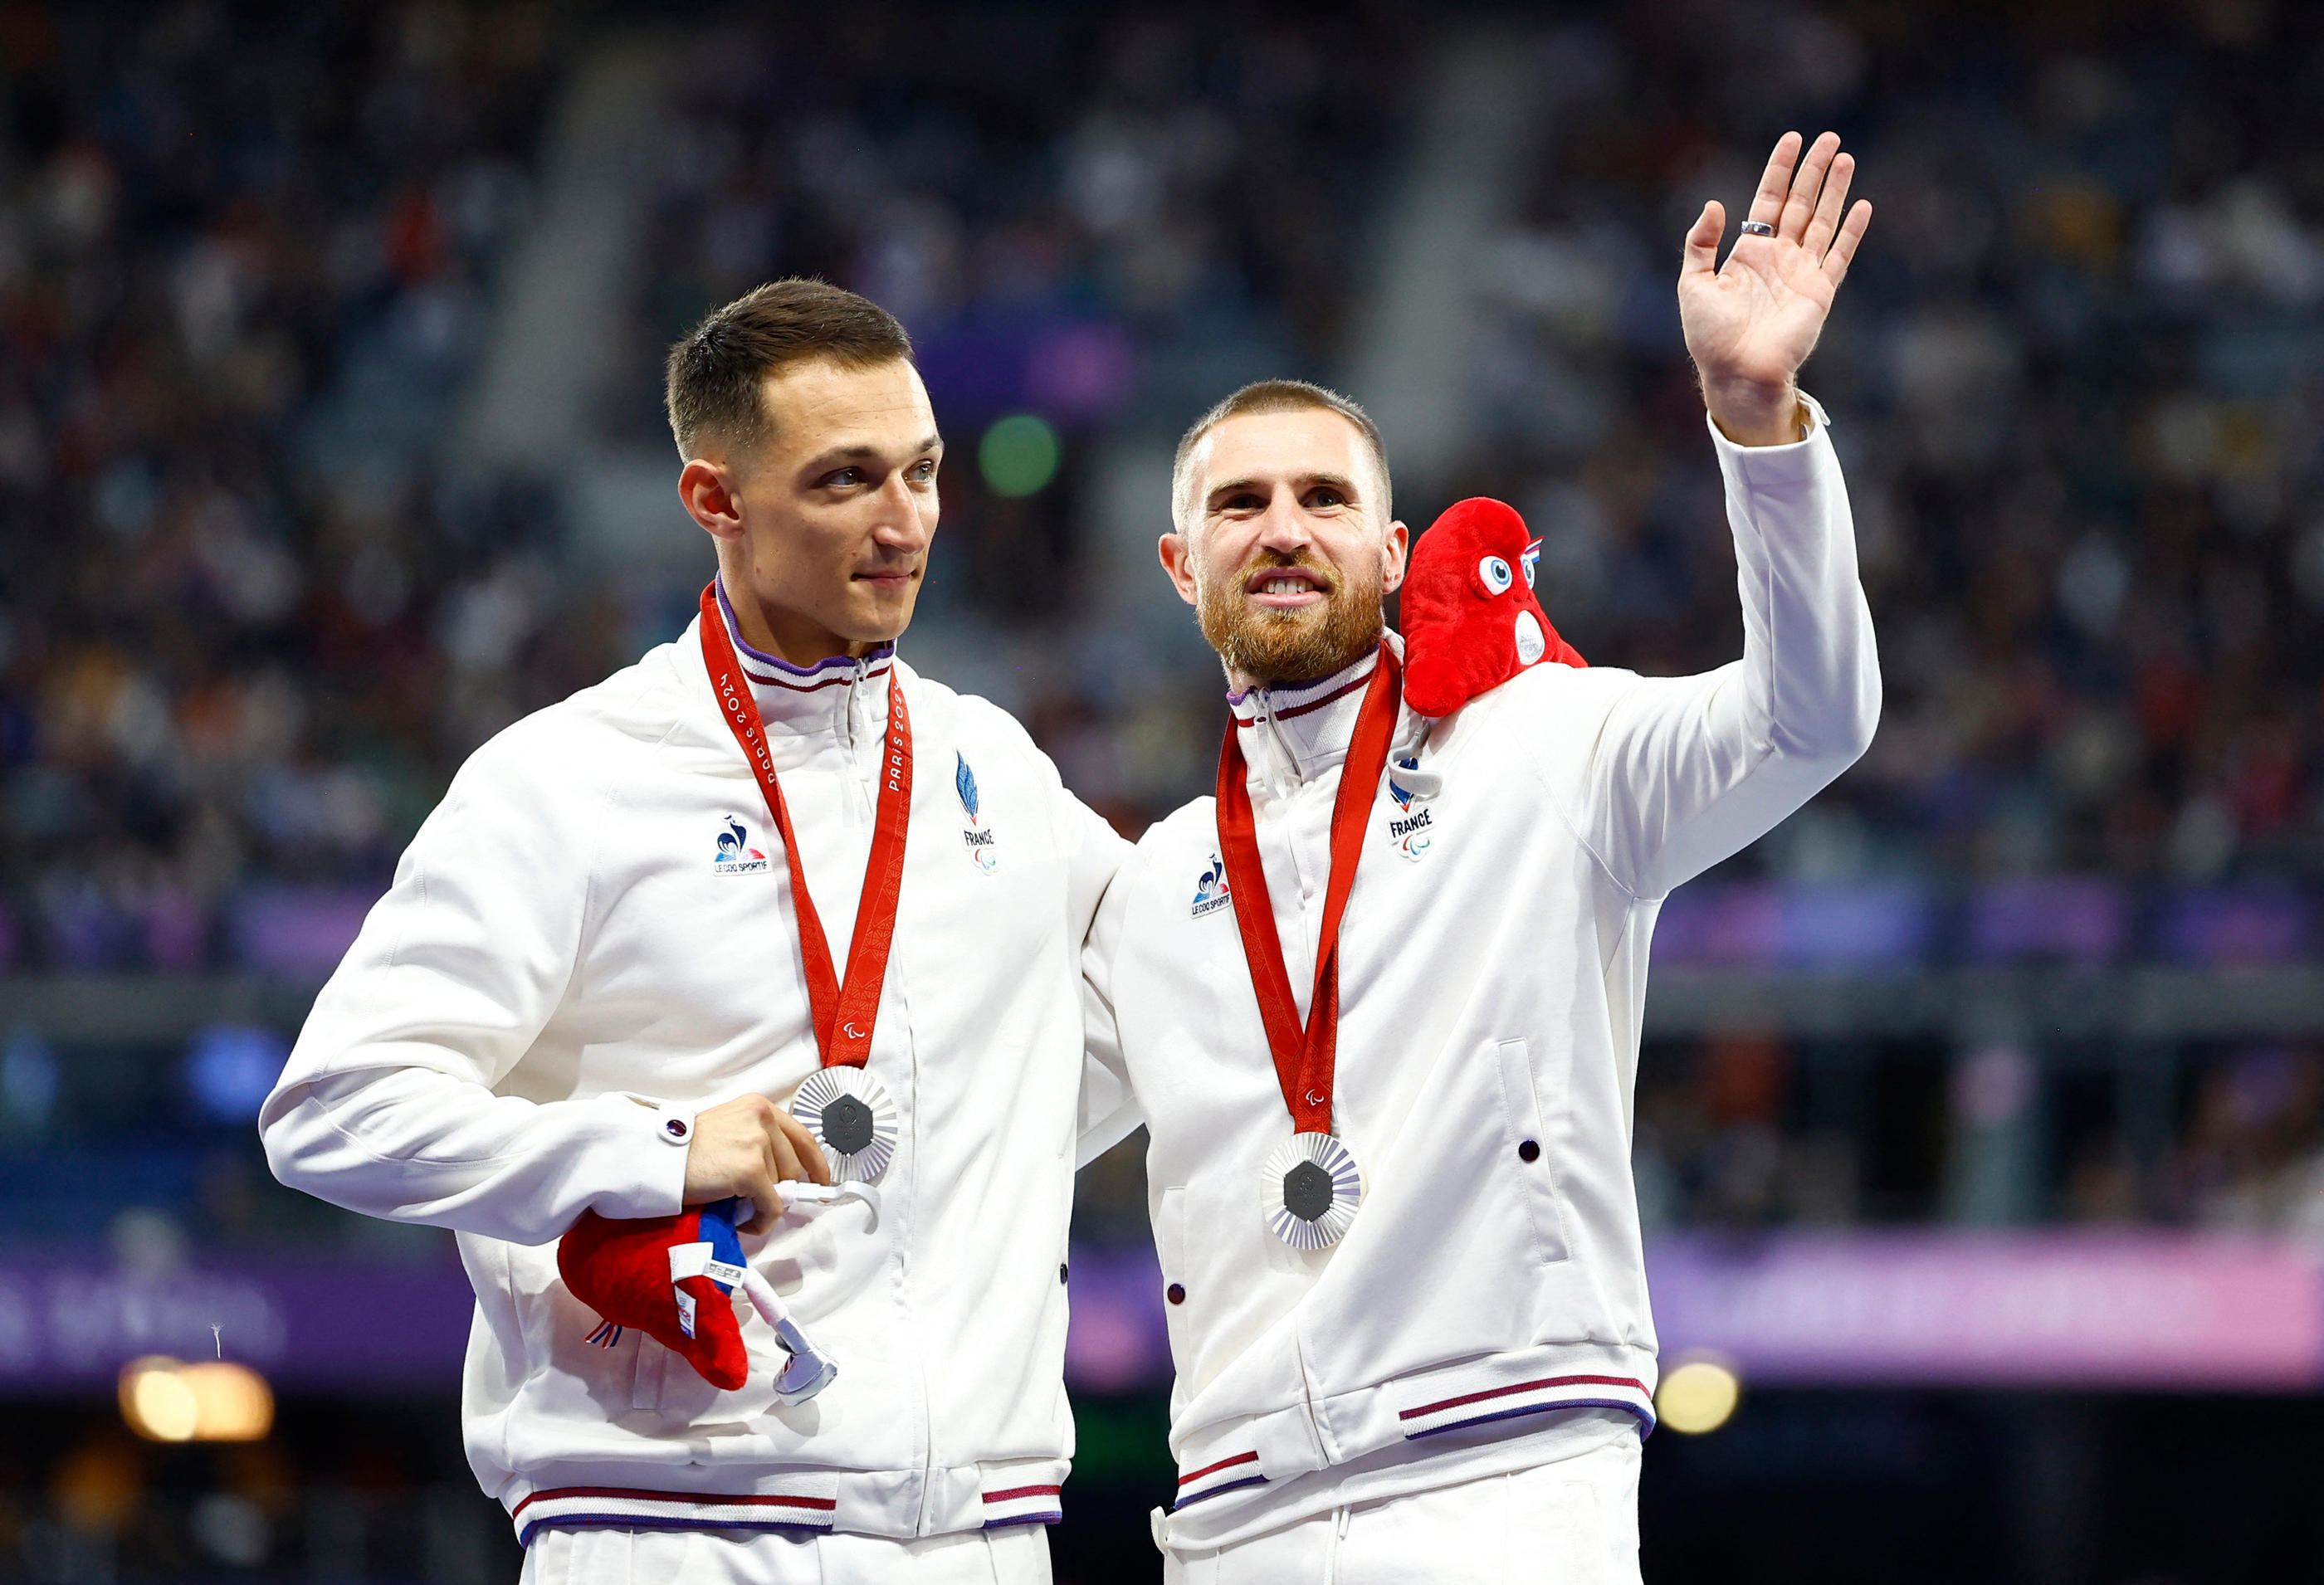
(736, 856)
(1211, 892)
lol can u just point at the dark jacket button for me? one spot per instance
(1177, 1293)
(1061, 1271)
(1529, 1151)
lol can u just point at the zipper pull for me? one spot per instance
(857, 704)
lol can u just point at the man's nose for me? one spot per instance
(899, 524)
(1285, 527)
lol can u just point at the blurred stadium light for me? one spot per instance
(1696, 1396)
(214, 1400)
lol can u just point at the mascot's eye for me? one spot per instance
(1495, 575)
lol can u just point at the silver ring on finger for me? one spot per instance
(1757, 228)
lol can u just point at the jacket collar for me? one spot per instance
(841, 696)
(1292, 734)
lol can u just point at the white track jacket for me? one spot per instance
(571, 964)
(1493, 969)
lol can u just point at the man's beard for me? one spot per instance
(1270, 646)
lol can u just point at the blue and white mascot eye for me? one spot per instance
(1496, 574)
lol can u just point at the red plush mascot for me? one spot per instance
(673, 1278)
(1470, 621)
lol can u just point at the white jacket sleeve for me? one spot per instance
(1110, 1111)
(1096, 857)
(1093, 852)
(388, 1106)
(1678, 773)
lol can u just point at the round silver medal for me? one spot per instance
(1309, 1190)
(853, 1118)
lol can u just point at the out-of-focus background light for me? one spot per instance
(1696, 1396)
(1018, 455)
(157, 1401)
(213, 1400)
(231, 1067)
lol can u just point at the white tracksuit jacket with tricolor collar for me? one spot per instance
(590, 940)
(1487, 1310)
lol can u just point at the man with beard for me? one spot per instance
(1401, 1262)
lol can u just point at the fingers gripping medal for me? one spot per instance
(1310, 1187)
(844, 1106)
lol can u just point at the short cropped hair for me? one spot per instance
(1272, 396)
(718, 373)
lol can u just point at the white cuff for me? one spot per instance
(675, 1126)
(657, 1185)
(1818, 422)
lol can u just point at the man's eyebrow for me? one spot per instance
(1340, 482)
(859, 452)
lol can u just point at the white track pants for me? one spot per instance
(1575, 1521)
(1016, 1555)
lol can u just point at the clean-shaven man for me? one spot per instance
(1392, 1199)
(597, 985)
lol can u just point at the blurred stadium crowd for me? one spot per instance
(244, 262)
(256, 612)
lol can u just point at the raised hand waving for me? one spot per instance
(1751, 322)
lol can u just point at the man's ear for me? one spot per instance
(712, 497)
(1178, 561)
(1394, 549)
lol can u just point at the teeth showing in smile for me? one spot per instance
(1285, 587)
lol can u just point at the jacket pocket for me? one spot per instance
(1529, 1110)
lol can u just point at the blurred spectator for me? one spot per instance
(2076, 377)
(243, 267)
(2253, 1157)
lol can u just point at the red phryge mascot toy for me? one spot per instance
(673, 1278)
(1471, 621)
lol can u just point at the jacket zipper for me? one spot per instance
(1285, 779)
(860, 701)
(859, 706)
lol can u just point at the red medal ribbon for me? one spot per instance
(1303, 1058)
(843, 1014)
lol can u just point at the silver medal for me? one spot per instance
(1309, 1190)
(853, 1118)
